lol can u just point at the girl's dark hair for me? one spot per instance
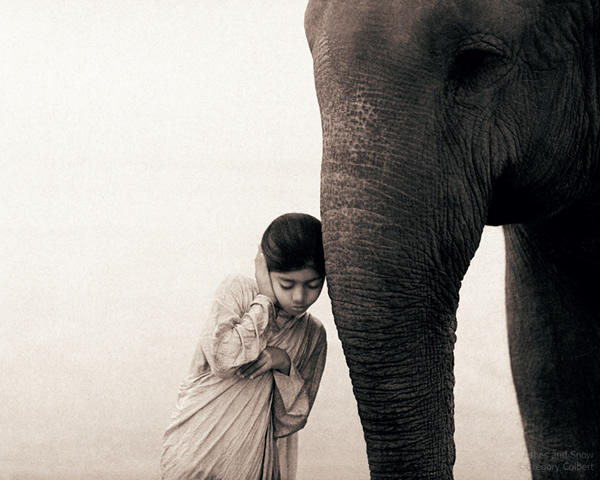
(294, 241)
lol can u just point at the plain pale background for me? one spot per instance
(145, 146)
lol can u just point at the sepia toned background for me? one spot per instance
(144, 147)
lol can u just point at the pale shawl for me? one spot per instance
(229, 428)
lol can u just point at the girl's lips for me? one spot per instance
(298, 309)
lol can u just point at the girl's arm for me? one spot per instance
(237, 322)
(271, 358)
(239, 317)
(295, 393)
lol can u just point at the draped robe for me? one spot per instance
(225, 427)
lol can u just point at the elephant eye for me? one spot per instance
(476, 68)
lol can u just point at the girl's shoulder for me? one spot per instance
(236, 280)
(316, 324)
(237, 286)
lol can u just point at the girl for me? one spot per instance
(257, 368)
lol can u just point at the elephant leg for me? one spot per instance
(555, 351)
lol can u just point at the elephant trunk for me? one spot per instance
(396, 252)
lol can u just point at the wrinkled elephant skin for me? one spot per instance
(439, 118)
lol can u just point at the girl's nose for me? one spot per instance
(298, 295)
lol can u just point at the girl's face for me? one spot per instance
(297, 290)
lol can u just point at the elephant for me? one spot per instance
(439, 118)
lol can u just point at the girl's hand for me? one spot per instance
(263, 278)
(271, 358)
